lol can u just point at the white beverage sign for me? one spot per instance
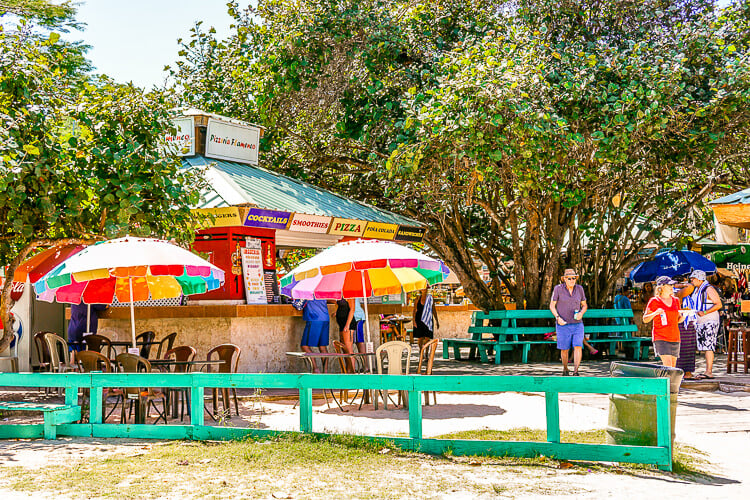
(252, 272)
(185, 137)
(229, 141)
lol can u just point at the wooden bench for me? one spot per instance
(510, 335)
(54, 415)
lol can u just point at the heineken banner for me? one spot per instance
(732, 257)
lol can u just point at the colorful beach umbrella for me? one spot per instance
(130, 269)
(361, 269)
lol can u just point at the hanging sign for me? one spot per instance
(252, 272)
(347, 227)
(230, 141)
(310, 223)
(380, 231)
(223, 216)
(258, 217)
(410, 233)
(184, 139)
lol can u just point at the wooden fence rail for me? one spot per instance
(660, 455)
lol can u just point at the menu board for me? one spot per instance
(252, 272)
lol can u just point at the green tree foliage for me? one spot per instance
(542, 133)
(81, 158)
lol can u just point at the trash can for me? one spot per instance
(632, 417)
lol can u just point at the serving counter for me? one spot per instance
(263, 332)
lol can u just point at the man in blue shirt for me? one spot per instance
(315, 314)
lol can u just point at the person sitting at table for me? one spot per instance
(425, 316)
(317, 324)
(82, 320)
(350, 318)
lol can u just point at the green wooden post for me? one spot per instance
(95, 405)
(196, 405)
(71, 395)
(305, 409)
(415, 414)
(663, 426)
(553, 416)
(50, 429)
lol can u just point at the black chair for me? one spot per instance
(147, 338)
(165, 345)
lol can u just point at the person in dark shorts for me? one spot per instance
(664, 310)
(568, 305)
(350, 318)
(317, 323)
(425, 317)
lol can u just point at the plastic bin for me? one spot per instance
(632, 417)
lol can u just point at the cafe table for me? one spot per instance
(326, 357)
(399, 322)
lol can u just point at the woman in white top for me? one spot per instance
(705, 300)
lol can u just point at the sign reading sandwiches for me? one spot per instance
(410, 233)
(229, 141)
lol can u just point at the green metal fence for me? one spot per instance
(660, 455)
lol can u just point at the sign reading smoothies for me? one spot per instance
(273, 219)
(310, 223)
(380, 230)
(184, 139)
(230, 141)
(347, 227)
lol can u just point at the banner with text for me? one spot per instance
(410, 233)
(184, 138)
(273, 219)
(380, 230)
(310, 223)
(347, 227)
(252, 272)
(229, 141)
(223, 216)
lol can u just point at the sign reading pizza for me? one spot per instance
(347, 227)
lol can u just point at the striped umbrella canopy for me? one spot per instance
(130, 269)
(362, 268)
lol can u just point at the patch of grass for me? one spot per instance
(597, 436)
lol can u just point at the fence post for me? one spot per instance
(553, 416)
(196, 404)
(664, 426)
(71, 395)
(415, 415)
(305, 409)
(96, 403)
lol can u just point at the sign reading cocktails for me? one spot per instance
(230, 141)
(273, 219)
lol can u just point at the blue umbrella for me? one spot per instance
(672, 263)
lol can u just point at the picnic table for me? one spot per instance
(605, 326)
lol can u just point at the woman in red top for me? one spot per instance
(664, 310)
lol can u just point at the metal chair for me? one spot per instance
(226, 353)
(132, 363)
(397, 364)
(426, 359)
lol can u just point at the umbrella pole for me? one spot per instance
(132, 313)
(88, 318)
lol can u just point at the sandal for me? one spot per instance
(594, 352)
(709, 377)
(698, 377)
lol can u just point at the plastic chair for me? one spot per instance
(387, 330)
(92, 361)
(147, 338)
(131, 363)
(183, 353)
(14, 358)
(59, 354)
(97, 343)
(394, 354)
(426, 359)
(165, 345)
(42, 351)
(226, 353)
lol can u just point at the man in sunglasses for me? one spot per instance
(568, 305)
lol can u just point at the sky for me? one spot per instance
(133, 40)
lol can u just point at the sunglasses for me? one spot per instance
(571, 278)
